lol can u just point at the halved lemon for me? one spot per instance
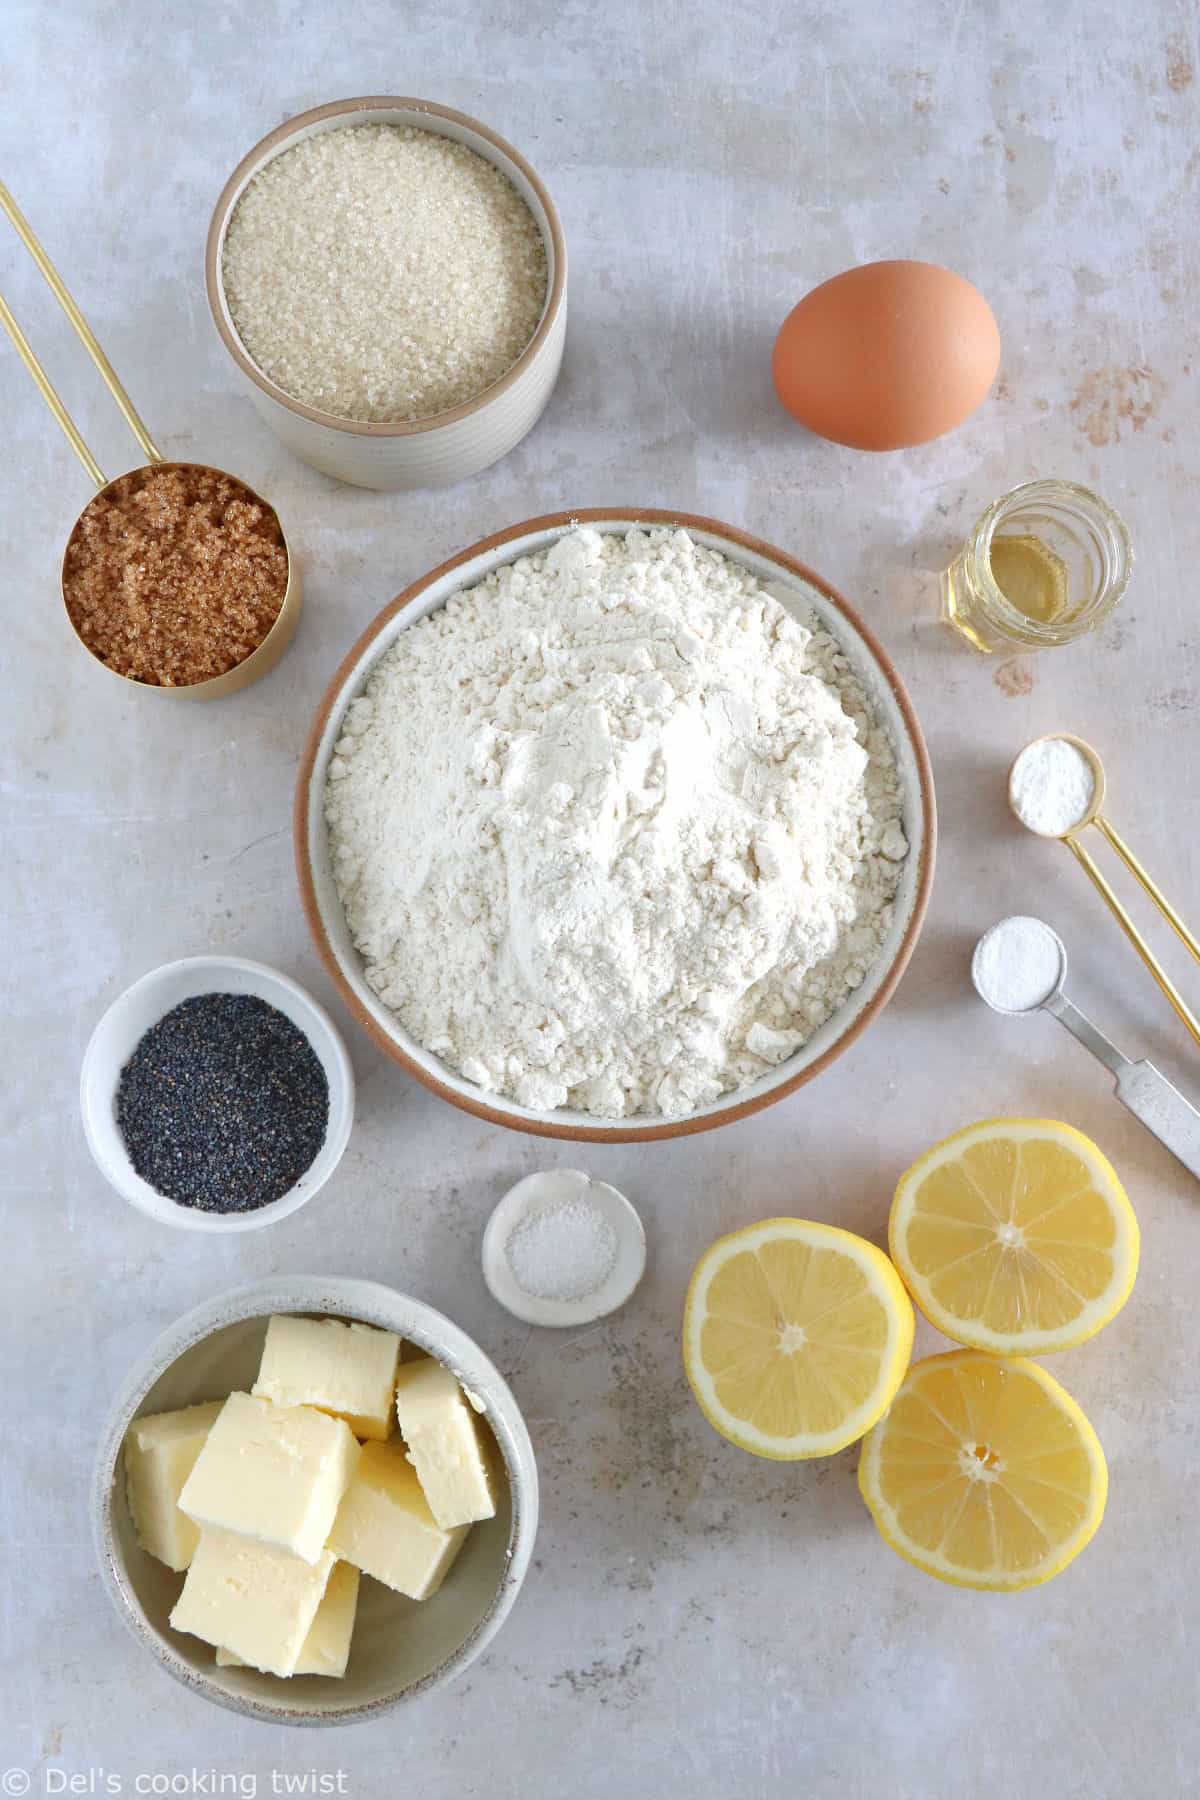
(984, 1472)
(1015, 1236)
(795, 1337)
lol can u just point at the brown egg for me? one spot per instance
(887, 355)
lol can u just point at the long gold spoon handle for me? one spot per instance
(1135, 937)
(45, 388)
(1141, 875)
(82, 330)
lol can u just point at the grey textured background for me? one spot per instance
(698, 1621)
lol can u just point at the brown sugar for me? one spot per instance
(175, 574)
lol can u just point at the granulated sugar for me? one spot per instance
(383, 273)
(614, 830)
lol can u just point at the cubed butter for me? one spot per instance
(385, 1527)
(348, 1370)
(160, 1453)
(326, 1649)
(253, 1599)
(276, 1474)
(440, 1430)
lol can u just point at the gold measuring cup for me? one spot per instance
(1095, 816)
(268, 652)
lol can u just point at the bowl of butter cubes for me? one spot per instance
(314, 1499)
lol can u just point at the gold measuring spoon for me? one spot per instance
(268, 652)
(1092, 813)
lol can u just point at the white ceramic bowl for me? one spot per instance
(126, 1023)
(451, 445)
(539, 1193)
(400, 1648)
(891, 705)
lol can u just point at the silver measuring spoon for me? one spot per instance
(1019, 967)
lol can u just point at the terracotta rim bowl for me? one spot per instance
(886, 693)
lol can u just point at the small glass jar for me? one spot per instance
(1078, 560)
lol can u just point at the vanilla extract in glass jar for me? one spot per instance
(1046, 564)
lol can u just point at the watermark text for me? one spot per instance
(177, 1784)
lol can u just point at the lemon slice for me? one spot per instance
(1015, 1236)
(795, 1337)
(984, 1472)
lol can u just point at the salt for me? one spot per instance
(564, 1251)
(1052, 786)
(1017, 964)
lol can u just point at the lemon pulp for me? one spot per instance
(796, 1335)
(984, 1472)
(1016, 1236)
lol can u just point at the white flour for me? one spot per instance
(1051, 786)
(612, 830)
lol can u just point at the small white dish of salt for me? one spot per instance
(562, 1249)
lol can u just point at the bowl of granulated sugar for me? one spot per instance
(389, 278)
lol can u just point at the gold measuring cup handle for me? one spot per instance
(47, 390)
(1127, 925)
(86, 336)
(1141, 875)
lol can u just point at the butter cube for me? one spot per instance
(385, 1528)
(326, 1649)
(349, 1370)
(443, 1443)
(160, 1452)
(254, 1599)
(273, 1473)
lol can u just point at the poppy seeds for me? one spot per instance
(224, 1104)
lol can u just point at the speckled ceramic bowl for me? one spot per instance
(400, 1648)
(426, 452)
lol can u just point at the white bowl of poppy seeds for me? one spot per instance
(216, 1095)
(434, 344)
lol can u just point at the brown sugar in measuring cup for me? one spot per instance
(176, 576)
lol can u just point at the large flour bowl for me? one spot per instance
(892, 708)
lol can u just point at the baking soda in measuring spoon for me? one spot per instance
(1017, 964)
